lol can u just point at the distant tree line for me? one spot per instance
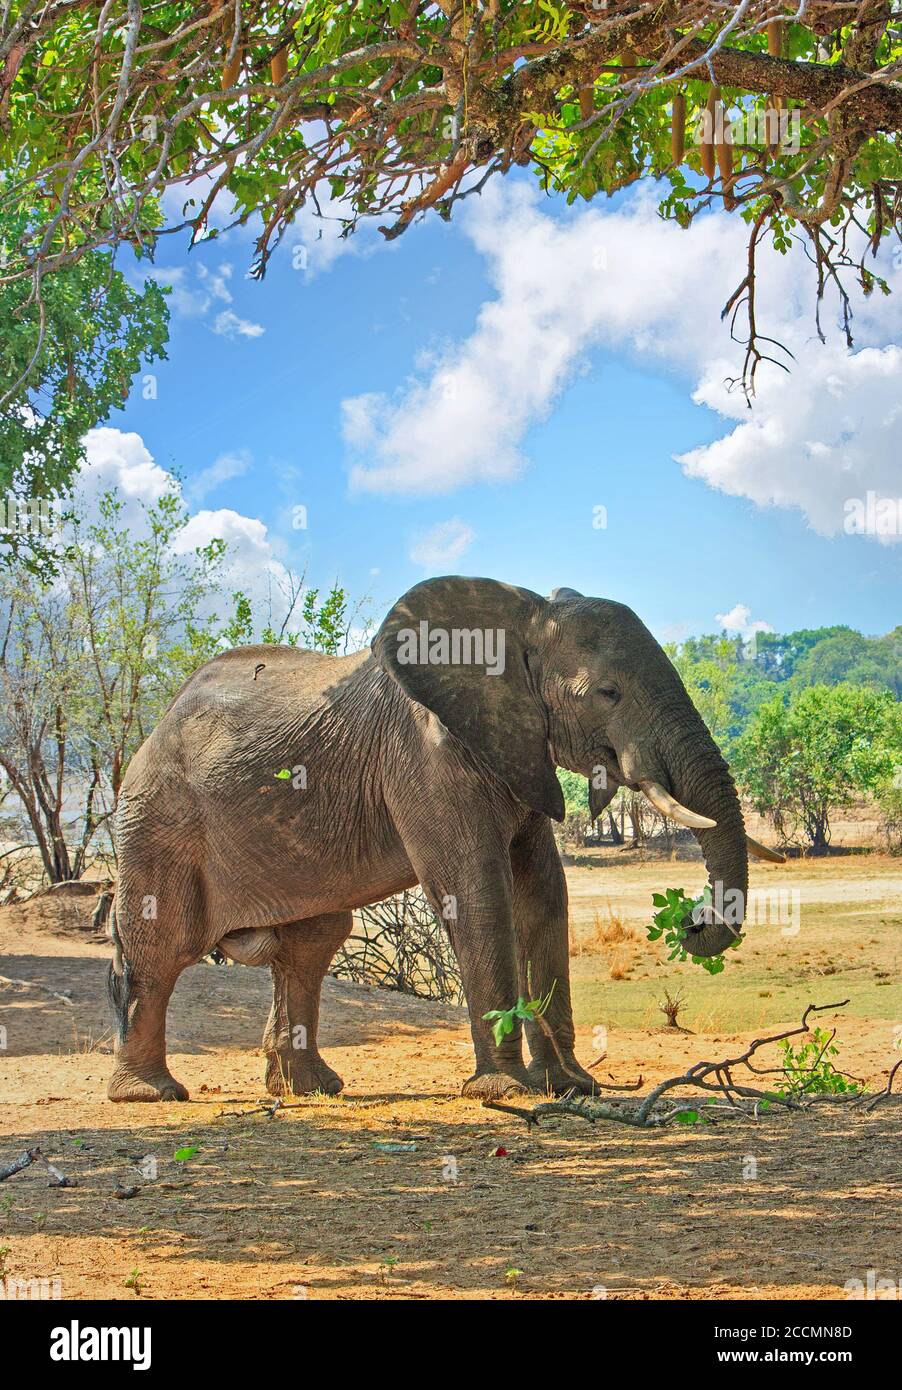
(729, 679)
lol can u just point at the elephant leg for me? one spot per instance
(541, 929)
(471, 892)
(145, 968)
(304, 954)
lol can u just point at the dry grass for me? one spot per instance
(606, 931)
(308, 1202)
(607, 936)
(90, 1042)
(620, 967)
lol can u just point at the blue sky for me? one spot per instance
(597, 426)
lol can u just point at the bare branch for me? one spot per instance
(736, 1099)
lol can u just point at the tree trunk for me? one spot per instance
(638, 836)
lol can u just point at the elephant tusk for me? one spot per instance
(762, 852)
(669, 806)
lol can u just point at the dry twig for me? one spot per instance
(403, 945)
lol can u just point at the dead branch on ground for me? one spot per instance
(726, 1095)
(36, 1155)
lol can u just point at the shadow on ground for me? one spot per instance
(304, 1200)
(213, 1006)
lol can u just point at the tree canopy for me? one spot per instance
(800, 761)
(395, 107)
(66, 361)
(729, 679)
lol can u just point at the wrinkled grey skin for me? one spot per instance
(442, 775)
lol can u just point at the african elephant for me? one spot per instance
(284, 788)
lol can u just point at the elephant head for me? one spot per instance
(528, 684)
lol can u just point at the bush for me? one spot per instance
(401, 944)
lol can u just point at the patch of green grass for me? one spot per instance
(838, 953)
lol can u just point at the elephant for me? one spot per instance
(283, 788)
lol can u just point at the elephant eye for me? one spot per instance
(610, 692)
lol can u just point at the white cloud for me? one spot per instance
(195, 296)
(122, 461)
(359, 420)
(252, 565)
(185, 297)
(216, 281)
(629, 281)
(227, 466)
(562, 287)
(676, 631)
(443, 545)
(229, 325)
(829, 433)
(739, 619)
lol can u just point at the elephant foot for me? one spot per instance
(300, 1076)
(496, 1085)
(551, 1076)
(160, 1084)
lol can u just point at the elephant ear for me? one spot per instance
(460, 647)
(600, 797)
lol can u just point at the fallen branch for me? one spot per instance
(18, 1164)
(887, 1090)
(57, 1179)
(32, 984)
(725, 1094)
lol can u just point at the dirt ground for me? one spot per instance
(314, 1202)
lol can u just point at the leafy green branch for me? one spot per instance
(677, 914)
(504, 1021)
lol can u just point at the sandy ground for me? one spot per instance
(310, 1203)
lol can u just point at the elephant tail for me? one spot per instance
(119, 978)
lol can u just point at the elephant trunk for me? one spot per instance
(700, 779)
